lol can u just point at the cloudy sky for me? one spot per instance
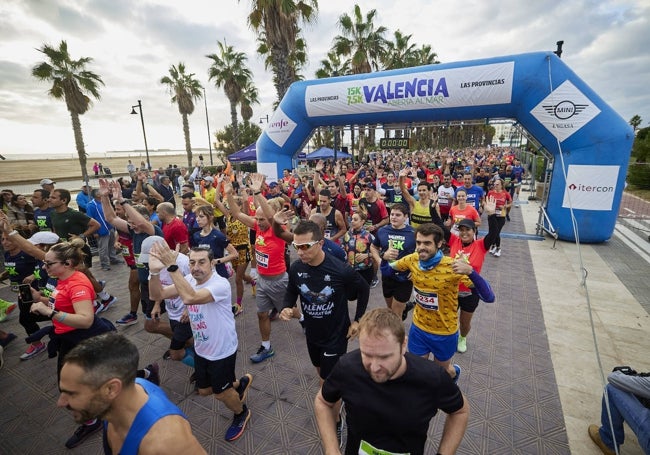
(133, 43)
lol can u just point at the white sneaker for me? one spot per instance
(497, 252)
(493, 248)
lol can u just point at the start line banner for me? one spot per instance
(450, 88)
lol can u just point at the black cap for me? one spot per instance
(467, 223)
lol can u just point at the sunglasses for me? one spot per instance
(304, 246)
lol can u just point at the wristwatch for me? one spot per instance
(172, 268)
(52, 314)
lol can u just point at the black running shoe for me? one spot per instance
(82, 433)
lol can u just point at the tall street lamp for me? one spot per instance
(144, 133)
(205, 99)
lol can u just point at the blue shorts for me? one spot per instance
(443, 347)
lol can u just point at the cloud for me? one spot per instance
(134, 43)
(65, 19)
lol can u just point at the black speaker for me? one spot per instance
(344, 149)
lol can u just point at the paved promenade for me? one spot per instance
(531, 372)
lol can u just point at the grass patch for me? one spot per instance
(643, 194)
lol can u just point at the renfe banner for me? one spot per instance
(457, 87)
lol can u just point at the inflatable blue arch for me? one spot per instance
(537, 89)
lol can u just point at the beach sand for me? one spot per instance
(20, 172)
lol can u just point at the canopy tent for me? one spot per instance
(246, 154)
(325, 153)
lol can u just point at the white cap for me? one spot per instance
(47, 182)
(146, 247)
(44, 238)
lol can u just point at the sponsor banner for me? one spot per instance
(590, 187)
(565, 110)
(268, 169)
(280, 127)
(436, 89)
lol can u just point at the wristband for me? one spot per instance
(62, 317)
(52, 314)
(124, 202)
(255, 194)
(14, 232)
(153, 274)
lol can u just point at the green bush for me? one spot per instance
(638, 174)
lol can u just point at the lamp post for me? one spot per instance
(207, 122)
(144, 133)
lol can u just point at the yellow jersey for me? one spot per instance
(436, 294)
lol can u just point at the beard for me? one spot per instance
(95, 409)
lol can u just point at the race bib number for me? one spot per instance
(262, 259)
(366, 448)
(427, 300)
(125, 251)
(328, 234)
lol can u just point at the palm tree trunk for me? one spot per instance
(188, 146)
(283, 78)
(79, 142)
(235, 127)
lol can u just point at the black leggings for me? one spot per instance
(29, 320)
(501, 221)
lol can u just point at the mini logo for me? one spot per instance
(326, 354)
(565, 109)
(327, 278)
(572, 186)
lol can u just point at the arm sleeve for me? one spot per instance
(638, 385)
(482, 287)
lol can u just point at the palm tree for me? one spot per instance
(72, 83)
(365, 44)
(635, 122)
(229, 71)
(297, 58)
(276, 21)
(184, 89)
(361, 40)
(424, 56)
(399, 53)
(333, 66)
(249, 96)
